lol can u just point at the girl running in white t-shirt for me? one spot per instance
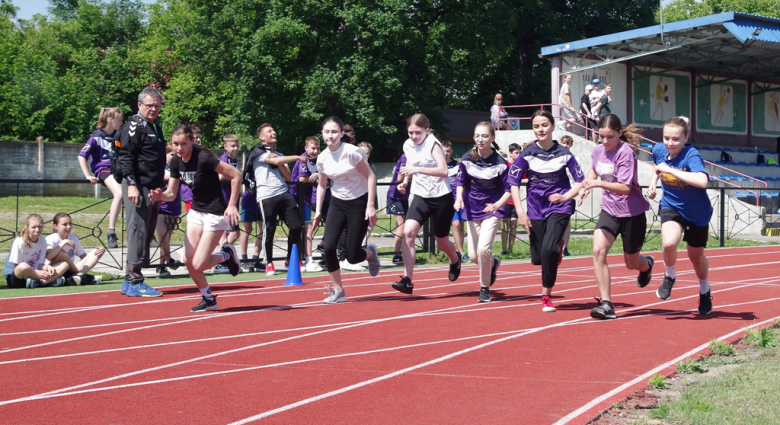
(25, 266)
(209, 217)
(351, 207)
(63, 246)
(432, 197)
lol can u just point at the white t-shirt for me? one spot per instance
(34, 255)
(340, 166)
(562, 95)
(268, 178)
(55, 240)
(594, 98)
(422, 156)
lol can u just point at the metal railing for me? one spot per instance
(584, 118)
(89, 221)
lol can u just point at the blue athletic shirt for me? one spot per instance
(691, 202)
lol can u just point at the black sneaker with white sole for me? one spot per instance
(644, 277)
(232, 263)
(664, 291)
(605, 310)
(455, 269)
(484, 295)
(205, 305)
(705, 303)
(494, 270)
(112, 240)
(405, 285)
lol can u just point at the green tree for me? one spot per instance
(680, 10)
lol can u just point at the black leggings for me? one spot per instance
(350, 216)
(546, 236)
(285, 207)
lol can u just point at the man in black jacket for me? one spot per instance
(142, 161)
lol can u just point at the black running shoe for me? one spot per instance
(644, 277)
(205, 305)
(405, 285)
(233, 264)
(493, 270)
(484, 295)
(605, 310)
(455, 269)
(397, 259)
(171, 263)
(705, 303)
(113, 242)
(664, 291)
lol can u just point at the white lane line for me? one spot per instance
(578, 412)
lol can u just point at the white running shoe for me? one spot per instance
(346, 265)
(220, 268)
(312, 267)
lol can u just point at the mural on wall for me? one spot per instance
(766, 112)
(614, 74)
(660, 97)
(722, 108)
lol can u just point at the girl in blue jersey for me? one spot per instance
(684, 207)
(96, 150)
(482, 192)
(545, 161)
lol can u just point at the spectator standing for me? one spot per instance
(497, 112)
(564, 99)
(590, 123)
(271, 172)
(142, 161)
(604, 107)
(96, 150)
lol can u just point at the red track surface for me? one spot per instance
(276, 354)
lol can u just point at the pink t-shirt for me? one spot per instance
(619, 166)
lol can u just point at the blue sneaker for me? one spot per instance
(125, 287)
(143, 290)
(34, 283)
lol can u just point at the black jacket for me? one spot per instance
(142, 153)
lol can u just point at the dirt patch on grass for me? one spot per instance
(637, 408)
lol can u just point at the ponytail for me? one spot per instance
(630, 132)
(105, 114)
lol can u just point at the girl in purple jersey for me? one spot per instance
(482, 183)
(545, 161)
(167, 221)
(96, 150)
(623, 208)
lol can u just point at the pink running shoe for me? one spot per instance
(547, 305)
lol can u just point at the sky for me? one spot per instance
(28, 8)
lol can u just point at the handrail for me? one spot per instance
(581, 115)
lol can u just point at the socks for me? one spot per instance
(704, 286)
(225, 256)
(207, 292)
(308, 259)
(255, 257)
(669, 270)
(243, 256)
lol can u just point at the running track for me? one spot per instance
(275, 354)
